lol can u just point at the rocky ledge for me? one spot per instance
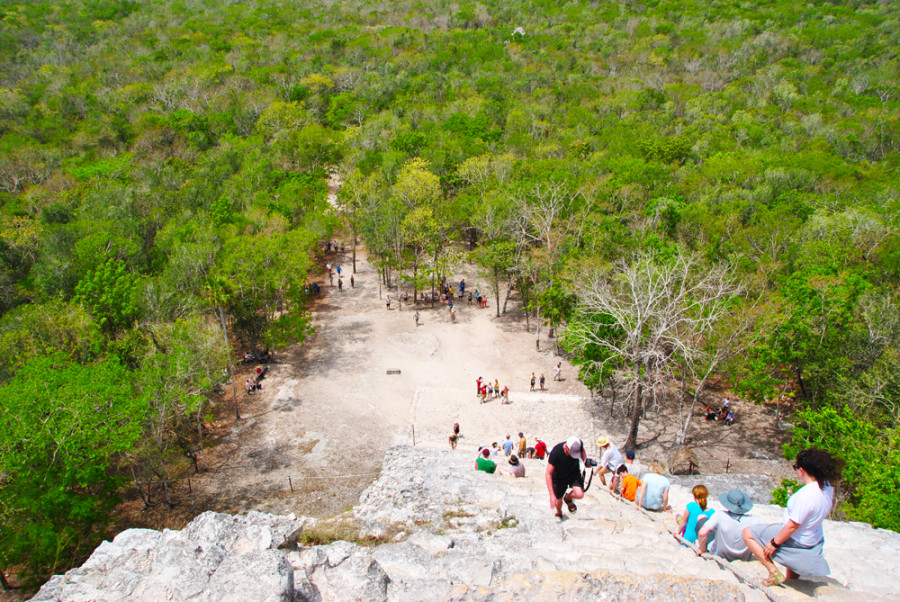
(431, 528)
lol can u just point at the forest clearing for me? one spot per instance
(681, 202)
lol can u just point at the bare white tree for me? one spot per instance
(648, 316)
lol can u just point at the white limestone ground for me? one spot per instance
(455, 534)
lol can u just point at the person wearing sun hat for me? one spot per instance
(540, 448)
(610, 460)
(565, 481)
(727, 527)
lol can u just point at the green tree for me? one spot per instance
(108, 293)
(63, 430)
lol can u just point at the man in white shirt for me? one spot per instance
(610, 460)
(727, 527)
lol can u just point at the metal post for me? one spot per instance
(291, 484)
(414, 434)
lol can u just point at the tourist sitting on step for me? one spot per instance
(710, 414)
(610, 460)
(484, 463)
(799, 541)
(694, 514)
(626, 483)
(516, 469)
(721, 534)
(729, 420)
(634, 466)
(654, 493)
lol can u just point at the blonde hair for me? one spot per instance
(700, 494)
(657, 467)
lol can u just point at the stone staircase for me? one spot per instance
(432, 528)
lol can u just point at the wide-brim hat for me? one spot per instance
(736, 501)
(602, 441)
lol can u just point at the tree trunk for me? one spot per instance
(508, 293)
(631, 441)
(497, 290)
(802, 386)
(237, 412)
(354, 250)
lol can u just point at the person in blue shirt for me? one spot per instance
(688, 521)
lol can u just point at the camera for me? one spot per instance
(590, 463)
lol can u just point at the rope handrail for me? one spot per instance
(739, 574)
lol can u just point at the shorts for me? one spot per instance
(560, 487)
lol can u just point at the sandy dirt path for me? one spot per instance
(314, 438)
(329, 408)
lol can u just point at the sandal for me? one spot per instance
(571, 506)
(776, 578)
(559, 515)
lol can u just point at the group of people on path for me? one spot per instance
(484, 462)
(797, 542)
(725, 414)
(485, 389)
(557, 375)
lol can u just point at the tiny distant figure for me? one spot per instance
(328, 246)
(342, 247)
(497, 387)
(478, 386)
(387, 302)
(450, 303)
(316, 288)
(462, 286)
(730, 419)
(470, 300)
(452, 316)
(542, 382)
(532, 381)
(331, 278)
(352, 281)
(416, 316)
(340, 285)
(477, 298)
(328, 267)
(483, 393)
(339, 271)
(454, 437)
(504, 396)
(335, 245)
(306, 289)
(405, 297)
(557, 371)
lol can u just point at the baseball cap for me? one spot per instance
(574, 445)
(630, 454)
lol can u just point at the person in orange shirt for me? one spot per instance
(630, 483)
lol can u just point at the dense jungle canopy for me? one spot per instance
(163, 171)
